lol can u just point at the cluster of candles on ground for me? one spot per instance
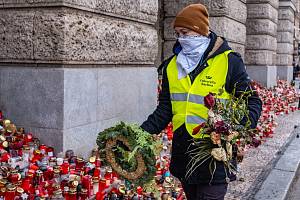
(279, 100)
(31, 170)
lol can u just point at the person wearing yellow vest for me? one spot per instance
(202, 63)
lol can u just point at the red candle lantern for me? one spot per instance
(72, 194)
(49, 173)
(43, 149)
(5, 157)
(26, 183)
(37, 155)
(65, 167)
(10, 193)
(79, 163)
(83, 194)
(98, 162)
(108, 175)
(14, 176)
(102, 186)
(97, 172)
(28, 138)
(50, 152)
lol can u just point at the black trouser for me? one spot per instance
(205, 192)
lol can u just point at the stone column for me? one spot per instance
(227, 19)
(261, 42)
(285, 39)
(70, 68)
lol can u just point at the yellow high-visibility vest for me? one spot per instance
(188, 99)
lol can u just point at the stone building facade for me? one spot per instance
(70, 68)
(264, 32)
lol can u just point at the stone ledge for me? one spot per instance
(259, 57)
(285, 48)
(286, 13)
(232, 30)
(234, 9)
(284, 59)
(261, 42)
(65, 36)
(285, 26)
(285, 37)
(288, 4)
(144, 11)
(261, 26)
(262, 11)
(274, 3)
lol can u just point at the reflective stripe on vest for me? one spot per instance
(188, 99)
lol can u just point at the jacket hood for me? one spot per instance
(216, 46)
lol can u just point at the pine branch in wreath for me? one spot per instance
(130, 151)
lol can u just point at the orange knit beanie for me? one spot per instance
(194, 17)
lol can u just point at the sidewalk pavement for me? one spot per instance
(277, 184)
(261, 165)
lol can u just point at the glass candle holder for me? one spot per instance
(72, 194)
(50, 152)
(83, 194)
(10, 193)
(65, 167)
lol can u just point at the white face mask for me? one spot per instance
(193, 48)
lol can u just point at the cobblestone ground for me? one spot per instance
(259, 161)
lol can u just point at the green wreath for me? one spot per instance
(130, 151)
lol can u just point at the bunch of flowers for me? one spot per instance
(220, 132)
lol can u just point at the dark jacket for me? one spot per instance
(162, 115)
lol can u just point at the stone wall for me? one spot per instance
(70, 68)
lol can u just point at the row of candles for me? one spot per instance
(31, 170)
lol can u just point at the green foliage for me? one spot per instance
(140, 142)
